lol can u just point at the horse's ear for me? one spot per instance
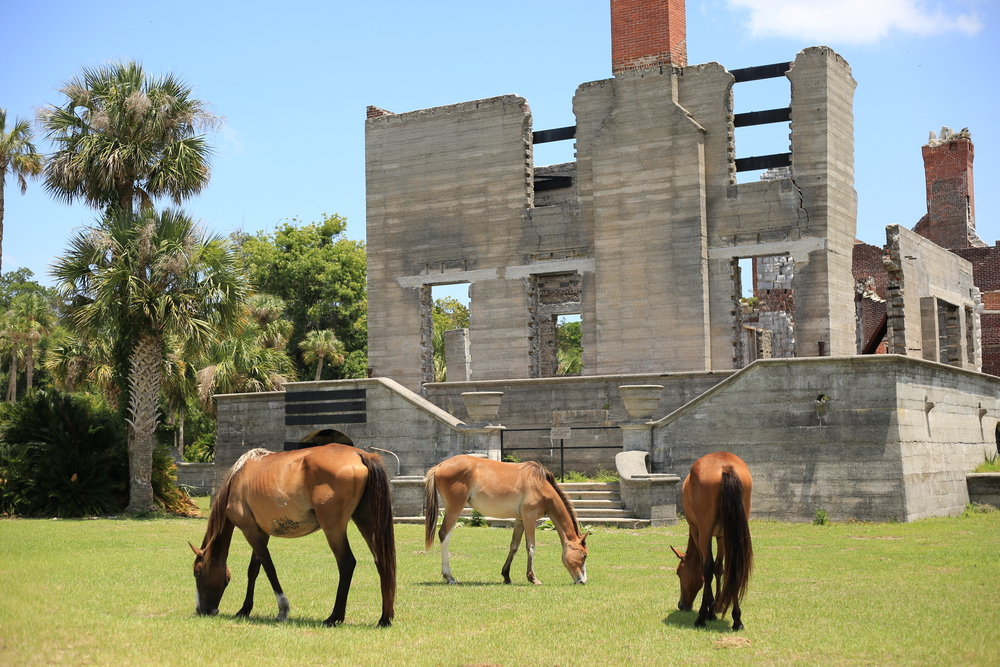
(679, 554)
(583, 540)
(200, 553)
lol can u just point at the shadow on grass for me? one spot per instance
(686, 619)
(291, 622)
(469, 583)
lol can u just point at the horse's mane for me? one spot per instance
(541, 472)
(217, 517)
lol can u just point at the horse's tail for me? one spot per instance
(379, 499)
(430, 509)
(739, 549)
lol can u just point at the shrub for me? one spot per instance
(201, 450)
(62, 455)
(822, 518)
(66, 455)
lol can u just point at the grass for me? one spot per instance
(991, 464)
(120, 592)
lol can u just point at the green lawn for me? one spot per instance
(120, 592)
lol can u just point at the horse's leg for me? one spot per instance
(451, 512)
(707, 610)
(336, 537)
(515, 542)
(258, 542)
(737, 615)
(529, 544)
(252, 571)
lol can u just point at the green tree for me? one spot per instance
(569, 352)
(448, 313)
(319, 346)
(34, 316)
(17, 156)
(251, 357)
(124, 137)
(320, 275)
(139, 278)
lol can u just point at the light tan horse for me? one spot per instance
(716, 496)
(521, 491)
(292, 494)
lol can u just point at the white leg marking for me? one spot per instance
(445, 561)
(283, 606)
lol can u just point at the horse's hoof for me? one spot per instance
(333, 622)
(281, 618)
(737, 627)
(385, 623)
(536, 582)
(700, 623)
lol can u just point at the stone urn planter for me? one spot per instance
(641, 400)
(482, 406)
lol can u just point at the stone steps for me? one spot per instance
(596, 504)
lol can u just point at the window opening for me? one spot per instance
(449, 312)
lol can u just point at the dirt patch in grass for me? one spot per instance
(731, 641)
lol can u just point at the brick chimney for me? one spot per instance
(647, 33)
(951, 212)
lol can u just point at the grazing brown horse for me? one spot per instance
(716, 497)
(522, 491)
(292, 494)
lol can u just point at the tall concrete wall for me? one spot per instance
(880, 437)
(649, 220)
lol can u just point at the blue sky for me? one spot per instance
(293, 79)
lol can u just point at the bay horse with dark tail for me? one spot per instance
(522, 491)
(292, 494)
(716, 497)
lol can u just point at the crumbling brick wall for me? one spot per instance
(986, 276)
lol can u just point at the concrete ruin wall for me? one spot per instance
(650, 226)
(932, 303)
(879, 437)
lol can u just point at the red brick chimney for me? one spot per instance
(951, 211)
(647, 33)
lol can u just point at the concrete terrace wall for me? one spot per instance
(879, 437)
(589, 401)
(390, 417)
(245, 422)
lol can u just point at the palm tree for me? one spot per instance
(35, 316)
(318, 345)
(17, 155)
(252, 357)
(140, 278)
(123, 138)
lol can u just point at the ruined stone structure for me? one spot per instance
(642, 236)
(650, 204)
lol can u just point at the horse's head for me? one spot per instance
(575, 557)
(691, 578)
(210, 581)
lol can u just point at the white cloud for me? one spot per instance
(857, 21)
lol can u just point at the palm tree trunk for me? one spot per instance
(144, 397)
(12, 385)
(319, 367)
(30, 364)
(3, 183)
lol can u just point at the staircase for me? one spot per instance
(596, 504)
